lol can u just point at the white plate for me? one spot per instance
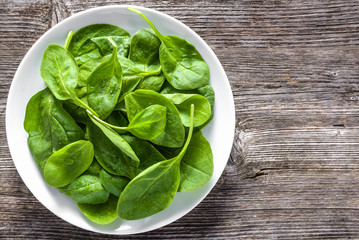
(27, 82)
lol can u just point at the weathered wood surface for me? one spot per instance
(294, 168)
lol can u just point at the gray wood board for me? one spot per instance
(293, 69)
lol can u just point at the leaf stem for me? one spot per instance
(159, 35)
(105, 123)
(189, 136)
(68, 39)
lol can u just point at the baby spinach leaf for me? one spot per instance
(84, 58)
(122, 42)
(133, 75)
(149, 192)
(206, 91)
(182, 65)
(113, 153)
(144, 53)
(153, 83)
(197, 164)
(81, 42)
(49, 126)
(153, 190)
(144, 50)
(145, 151)
(173, 134)
(103, 213)
(149, 123)
(77, 113)
(94, 169)
(59, 71)
(183, 103)
(113, 184)
(86, 189)
(66, 164)
(104, 86)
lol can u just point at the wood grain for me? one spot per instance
(294, 167)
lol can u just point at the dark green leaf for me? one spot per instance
(103, 213)
(86, 189)
(49, 126)
(173, 134)
(66, 164)
(113, 184)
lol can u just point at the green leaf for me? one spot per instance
(183, 103)
(173, 134)
(49, 127)
(113, 153)
(145, 151)
(153, 190)
(81, 42)
(59, 71)
(122, 42)
(197, 164)
(104, 86)
(113, 184)
(86, 189)
(182, 65)
(149, 123)
(66, 164)
(103, 213)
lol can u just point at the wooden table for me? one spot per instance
(294, 168)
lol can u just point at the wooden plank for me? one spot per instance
(293, 68)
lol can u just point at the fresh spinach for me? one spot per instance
(82, 43)
(66, 164)
(104, 85)
(184, 101)
(49, 127)
(103, 213)
(173, 134)
(113, 153)
(113, 184)
(182, 65)
(86, 189)
(197, 164)
(153, 190)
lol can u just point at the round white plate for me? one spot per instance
(27, 81)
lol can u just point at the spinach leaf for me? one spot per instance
(113, 153)
(103, 213)
(49, 127)
(104, 85)
(173, 134)
(86, 189)
(147, 124)
(153, 190)
(182, 65)
(66, 164)
(133, 75)
(60, 73)
(206, 91)
(84, 58)
(82, 42)
(145, 151)
(197, 164)
(113, 184)
(144, 53)
(122, 42)
(94, 169)
(183, 103)
(153, 83)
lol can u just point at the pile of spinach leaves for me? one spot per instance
(118, 128)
